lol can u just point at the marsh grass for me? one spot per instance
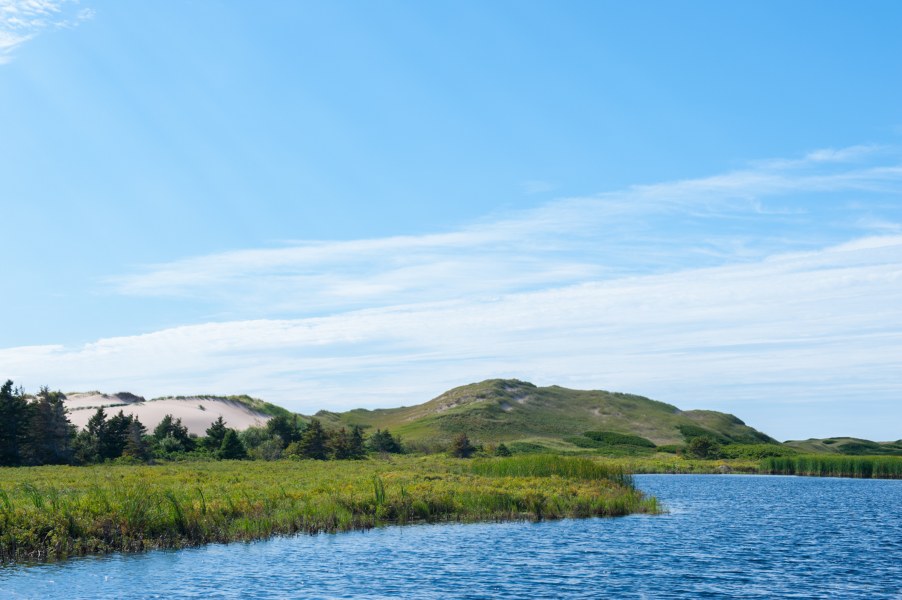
(829, 465)
(56, 512)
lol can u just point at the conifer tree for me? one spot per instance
(135, 444)
(502, 450)
(461, 447)
(50, 434)
(313, 441)
(14, 418)
(232, 448)
(216, 432)
(357, 449)
(384, 441)
(340, 444)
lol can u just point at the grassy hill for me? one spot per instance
(510, 410)
(847, 446)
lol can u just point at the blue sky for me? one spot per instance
(341, 204)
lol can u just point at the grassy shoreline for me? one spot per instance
(49, 513)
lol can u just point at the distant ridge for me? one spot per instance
(509, 409)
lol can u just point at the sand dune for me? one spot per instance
(196, 413)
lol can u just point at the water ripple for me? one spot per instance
(724, 537)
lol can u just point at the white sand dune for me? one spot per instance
(196, 413)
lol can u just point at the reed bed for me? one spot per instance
(57, 512)
(548, 465)
(827, 465)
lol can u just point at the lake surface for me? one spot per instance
(724, 537)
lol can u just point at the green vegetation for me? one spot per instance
(550, 418)
(883, 467)
(57, 511)
(848, 446)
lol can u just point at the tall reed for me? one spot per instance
(831, 465)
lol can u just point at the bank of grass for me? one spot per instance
(833, 465)
(57, 512)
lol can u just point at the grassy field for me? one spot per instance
(56, 512)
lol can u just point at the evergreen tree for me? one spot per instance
(112, 445)
(357, 449)
(313, 441)
(384, 441)
(232, 448)
(171, 436)
(502, 450)
(50, 434)
(340, 444)
(461, 447)
(285, 428)
(215, 434)
(135, 444)
(89, 442)
(14, 421)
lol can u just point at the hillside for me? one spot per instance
(847, 446)
(507, 410)
(196, 412)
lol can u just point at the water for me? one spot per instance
(725, 537)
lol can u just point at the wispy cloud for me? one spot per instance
(738, 216)
(22, 20)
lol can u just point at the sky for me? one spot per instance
(339, 204)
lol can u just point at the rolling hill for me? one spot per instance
(846, 445)
(509, 410)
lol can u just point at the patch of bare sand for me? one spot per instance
(196, 413)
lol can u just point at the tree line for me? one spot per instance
(37, 431)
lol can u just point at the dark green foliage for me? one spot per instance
(358, 444)
(107, 439)
(690, 432)
(703, 447)
(345, 445)
(461, 447)
(136, 445)
(339, 444)
(172, 437)
(583, 442)
(755, 451)
(619, 439)
(50, 434)
(671, 448)
(215, 433)
(14, 417)
(383, 441)
(232, 448)
(112, 445)
(502, 450)
(285, 427)
(313, 442)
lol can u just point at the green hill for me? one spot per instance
(509, 410)
(847, 446)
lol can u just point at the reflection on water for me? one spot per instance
(724, 537)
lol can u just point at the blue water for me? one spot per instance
(724, 537)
